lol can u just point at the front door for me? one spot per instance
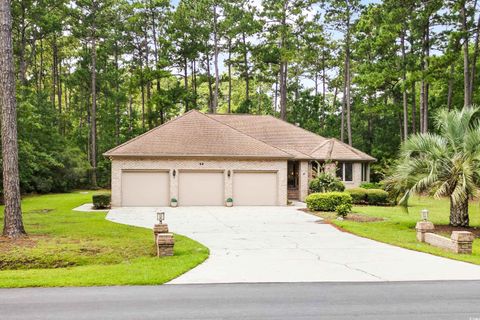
(293, 180)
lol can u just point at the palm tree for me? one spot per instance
(445, 164)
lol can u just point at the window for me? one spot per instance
(345, 171)
(340, 171)
(348, 169)
(365, 172)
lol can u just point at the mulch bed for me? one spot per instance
(328, 216)
(447, 230)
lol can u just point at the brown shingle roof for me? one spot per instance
(196, 134)
(247, 136)
(302, 144)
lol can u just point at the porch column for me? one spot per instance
(303, 180)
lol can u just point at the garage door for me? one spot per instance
(200, 188)
(145, 189)
(255, 189)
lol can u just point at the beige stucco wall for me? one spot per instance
(119, 164)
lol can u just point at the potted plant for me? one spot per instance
(229, 202)
(173, 202)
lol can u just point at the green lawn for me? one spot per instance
(69, 248)
(398, 228)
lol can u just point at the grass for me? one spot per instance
(398, 226)
(69, 248)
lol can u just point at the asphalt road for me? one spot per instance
(384, 300)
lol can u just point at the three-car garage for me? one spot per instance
(193, 187)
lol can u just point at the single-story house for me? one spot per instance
(204, 159)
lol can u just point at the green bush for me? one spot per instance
(371, 185)
(328, 201)
(377, 197)
(326, 182)
(359, 195)
(343, 209)
(101, 201)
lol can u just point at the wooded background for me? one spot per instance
(92, 74)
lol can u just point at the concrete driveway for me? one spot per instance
(283, 244)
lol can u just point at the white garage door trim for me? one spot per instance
(201, 187)
(145, 188)
(255, 188)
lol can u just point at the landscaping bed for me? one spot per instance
(397, 226)
(446, 230)
(70, 248)
(329, 216)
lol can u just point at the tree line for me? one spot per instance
(91, 74)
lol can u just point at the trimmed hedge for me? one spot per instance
(369, 196)
(359, 195)
(328, 201)
(101, 201)
(371, 185)
(377, 197)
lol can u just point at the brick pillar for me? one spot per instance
(165, 243)
(423, 227)
(462, 241)
(159, 228)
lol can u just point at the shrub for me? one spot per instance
(343, 209)
(377, 197)
(101, 201)
(371, 185)
(359, 195)
(328, 201)
(229, 200)
(326, 182)
(173, 200)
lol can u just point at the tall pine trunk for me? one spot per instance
(283, 68)
(229, 76)
(185, 81)
(13, 223)
(404, 93)
(283, 90)
(210, 89)
(93, 112)
(245, 63)
(348, 99)
(215, 61)
(474, 60)
(414, 107)
(466, 66)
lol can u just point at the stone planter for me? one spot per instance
(229, 204)
(174, 204)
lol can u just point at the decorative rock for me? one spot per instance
(423, 227)
(165, 243)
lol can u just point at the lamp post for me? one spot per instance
(160, 216)
(424, 214)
